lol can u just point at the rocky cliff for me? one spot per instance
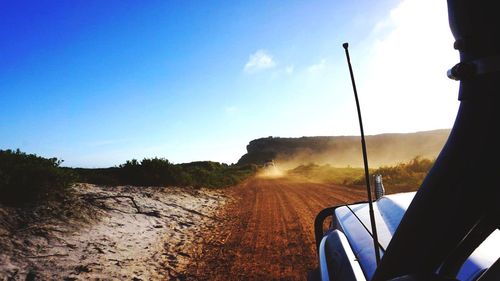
(383, 149)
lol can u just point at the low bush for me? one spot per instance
(403, 176)
(28, 178)
(161, 172)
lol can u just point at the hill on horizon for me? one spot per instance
(342, 151)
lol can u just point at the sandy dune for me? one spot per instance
(141, 234)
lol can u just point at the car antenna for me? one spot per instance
(365, 158)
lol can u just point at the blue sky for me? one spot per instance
(99, 82)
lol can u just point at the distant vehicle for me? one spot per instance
(449, 229)
(269, 164)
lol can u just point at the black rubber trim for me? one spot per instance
(320, 219)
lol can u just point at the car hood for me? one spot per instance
(354, 221)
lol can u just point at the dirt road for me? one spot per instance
(266, 233)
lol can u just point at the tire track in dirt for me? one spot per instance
(267, 232)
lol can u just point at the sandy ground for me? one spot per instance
(140, 234)
(267, 233)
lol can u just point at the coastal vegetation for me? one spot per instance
(405, 176)
(29, 178)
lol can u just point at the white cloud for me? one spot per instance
(289, 69)
(403, 84)
(258, 61)
(317, 68)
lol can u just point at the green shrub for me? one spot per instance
(409, 174)
(150, 172)
(160, 172)
(100, 176)
(401, 177)
(28, 178)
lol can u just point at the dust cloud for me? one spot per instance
(383, 150)
(271, 171)
(345, 151)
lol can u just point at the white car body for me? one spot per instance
(352, 232)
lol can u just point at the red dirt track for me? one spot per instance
(266, 233)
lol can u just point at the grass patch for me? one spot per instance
(327, 173)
